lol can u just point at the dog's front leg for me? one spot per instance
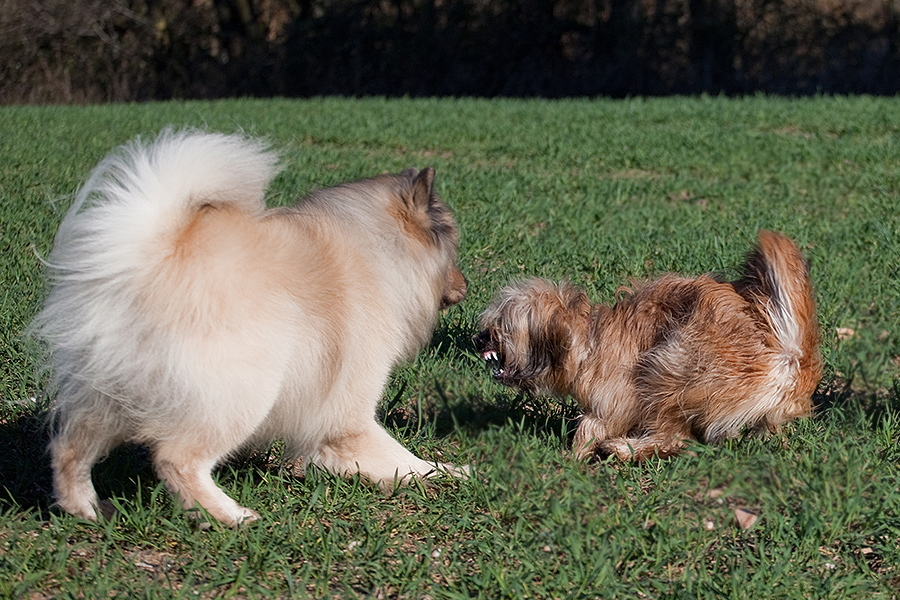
(591, 431)
(378, 457)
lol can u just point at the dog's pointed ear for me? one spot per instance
(422, 189)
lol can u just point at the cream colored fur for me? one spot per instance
(185, 316)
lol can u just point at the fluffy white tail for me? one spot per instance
(776, 282)
(124, 221)
(141, 192)
(776, 275)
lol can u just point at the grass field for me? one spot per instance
(595, 191)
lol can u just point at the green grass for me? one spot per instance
(595, 191)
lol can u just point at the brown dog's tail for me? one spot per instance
(776, 277)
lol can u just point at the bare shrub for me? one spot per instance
(120, 50)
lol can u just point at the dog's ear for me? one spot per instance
(421, 212)
(422, 189)
(549, 341)
(552, 341)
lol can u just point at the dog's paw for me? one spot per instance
(460, 472)
(641, 449)
(247, 516)
(89, 509)
(239, 518)
(435, 470)
(298, 466)
(623, 448)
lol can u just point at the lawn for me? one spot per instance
(595, 191)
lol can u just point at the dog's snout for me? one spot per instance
(455, 289)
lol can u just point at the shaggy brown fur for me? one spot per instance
(677, 360)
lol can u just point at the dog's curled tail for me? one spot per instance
(142, 193)
(777, 276)
(124, 223)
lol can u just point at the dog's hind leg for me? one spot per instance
(662, 444)
(73, 453)
(187, 471)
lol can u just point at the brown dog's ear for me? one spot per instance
(553, 343)
(421, 213)
(422, 188)
(549, 341)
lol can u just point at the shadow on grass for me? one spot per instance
(543, 416)
(25, 463)
(451, 337)
(833, 397)
(25, 475)
(26, 478)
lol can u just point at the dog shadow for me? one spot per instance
(451, 337)
(835, 395)
(495, 405)
(26, 481)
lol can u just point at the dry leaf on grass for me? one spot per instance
(745, 518)
(844, 333)
(715, 493)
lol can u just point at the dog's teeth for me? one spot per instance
(491, 355)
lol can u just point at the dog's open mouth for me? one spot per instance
(491, 352)
(495, 362)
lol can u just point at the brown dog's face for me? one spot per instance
(527, 333)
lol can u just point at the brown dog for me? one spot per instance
(679, 359)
